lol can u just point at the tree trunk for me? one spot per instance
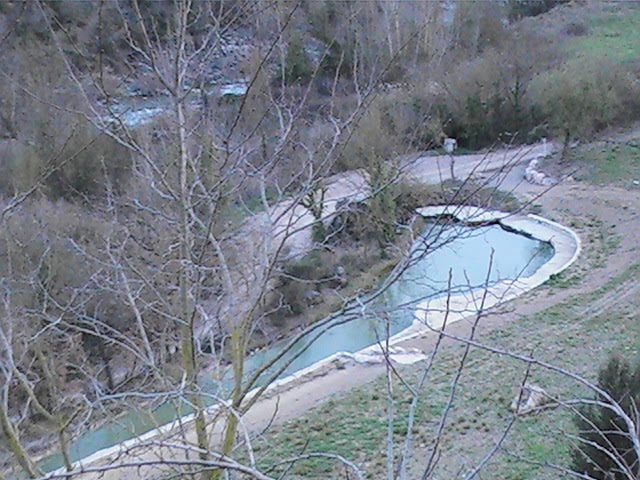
(565, 145)
(188, 329)
(231, 428)
(64, 448)
(16, 448)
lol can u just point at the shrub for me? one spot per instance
(80, 164)
(318, 266)
(582, 98)
(531, 8)
(604, 442)
(312, 272)
(413, 195)
(297, 67)
(374, 136)
(478, 26)
(339, 58)
(293, 297)
(51, 251)
(577, 29)
(489, 98)
(46, 137)
(352, 224)
(359, 259)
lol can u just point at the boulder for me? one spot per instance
(313, 297)
(535, 176)
(341, 276)
(529, 399)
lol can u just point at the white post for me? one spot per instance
(450, 145)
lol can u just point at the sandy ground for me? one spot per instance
(569, 203)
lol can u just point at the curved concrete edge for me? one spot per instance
(429, 315)
(432, 314)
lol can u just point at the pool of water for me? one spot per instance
(464, 251)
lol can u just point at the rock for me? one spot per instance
(339, 363)
(548, 181)
(312, 296)
(531, 398)
(341, 276)
(536, 177)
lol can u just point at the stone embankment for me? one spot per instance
(533, 174)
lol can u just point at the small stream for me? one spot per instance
(464, 250)
(135, 111)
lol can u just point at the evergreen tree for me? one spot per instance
(298, 68)
(605, 444)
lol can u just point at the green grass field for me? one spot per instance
(617, 163)
(613, 33)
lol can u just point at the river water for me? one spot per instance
(462, 250)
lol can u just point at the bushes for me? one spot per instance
(577, 29)
(478, 26)
(411, 196)
(582, 98)
(325, 20)
(313, 272)
(52, 139)
(82, 165)
(513, 94)
(531, 8)
(297, 67)
(489, 99)
(605, 447)
(50, 266)
(375, 136)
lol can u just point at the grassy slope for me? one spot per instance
(355, 425)
(609, 163)
(612, 32)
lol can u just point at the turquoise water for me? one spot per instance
(465, 251)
